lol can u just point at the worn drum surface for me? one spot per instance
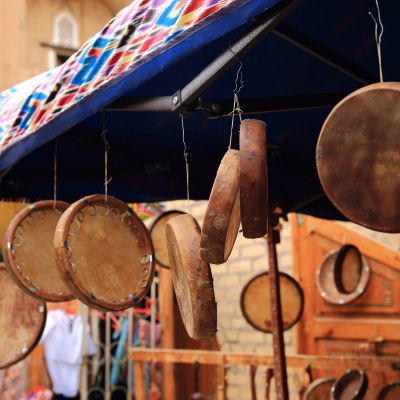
(390, 392)
(326, 284)
(358, 157)
(348, 268)
(29, 255)
(158, 234)
(255, 301)
(22, 320)
(253, 178)
(104, 253)
(320, 389)
(352, 385)
(222, 219)
(192, 278)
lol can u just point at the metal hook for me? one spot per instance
(377, 39)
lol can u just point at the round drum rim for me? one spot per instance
(154, 223)
(348, 376)
(37, 336)
(251, 280)
(385, 390)
(67, 271)
(319, 151)
(343, 298)
(11, 264)
(313, 385)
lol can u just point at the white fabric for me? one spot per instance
(62, 339)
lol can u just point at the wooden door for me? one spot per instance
(369, 325)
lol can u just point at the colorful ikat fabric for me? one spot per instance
(135, 32)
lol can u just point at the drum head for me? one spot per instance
(320, 389)
(104, 253)
(159, 236)
(255, 301)
(22, 320)
(222, 219)
(192, 278)
(326, 284)
(390, 392)
(253, 178)
(352, 385)
(358, 155)
(29, 255)
(348, 268)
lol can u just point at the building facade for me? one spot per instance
(37, 35)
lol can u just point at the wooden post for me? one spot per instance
(166, 293)
(221, 380)
(140, 392)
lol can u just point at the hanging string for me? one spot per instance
(378, 39)
(185, 154)
(55, 179)
(106, 149)
(236, 106)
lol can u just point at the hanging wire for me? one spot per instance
(106, 149)
(236, 106)
(55, 179)
(378, 38)
(185, 154)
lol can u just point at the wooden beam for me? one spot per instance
(366, 363)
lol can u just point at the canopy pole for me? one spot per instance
(264, 24)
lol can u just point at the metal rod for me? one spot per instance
(265, 24)
(107, 351)
(141, 103)
(324, 54)
(130, 362)
(280, 103)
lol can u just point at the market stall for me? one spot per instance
(155, 89)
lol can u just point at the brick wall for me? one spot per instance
(249, 256)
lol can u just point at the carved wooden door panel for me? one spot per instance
(369, 325)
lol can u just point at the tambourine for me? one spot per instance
(347, 268)
(255, 301)
(253, 178)
(222, 218)
(389, 392)
(320, 389)
(22, 321)
(104, 253)
(28, 251)
(352, 385)
(158, 234)
(326, 282)
(358, 155)
(192, 278)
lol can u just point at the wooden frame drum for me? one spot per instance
(255, 301)
(320, 389)
(358, 154)
(326, 284)
(104, 253)
(352, 385)
(389, 392)
(158, 232)
(22, 321)
(28, 251)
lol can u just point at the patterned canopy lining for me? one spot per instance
(136, 31)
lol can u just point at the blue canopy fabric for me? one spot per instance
(146, 160)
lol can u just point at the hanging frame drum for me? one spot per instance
(104, 253)
(22, 321)
(28, 251)
(358, 157)
(255, 301)
(158, 229)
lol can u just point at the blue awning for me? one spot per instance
(146, 160)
